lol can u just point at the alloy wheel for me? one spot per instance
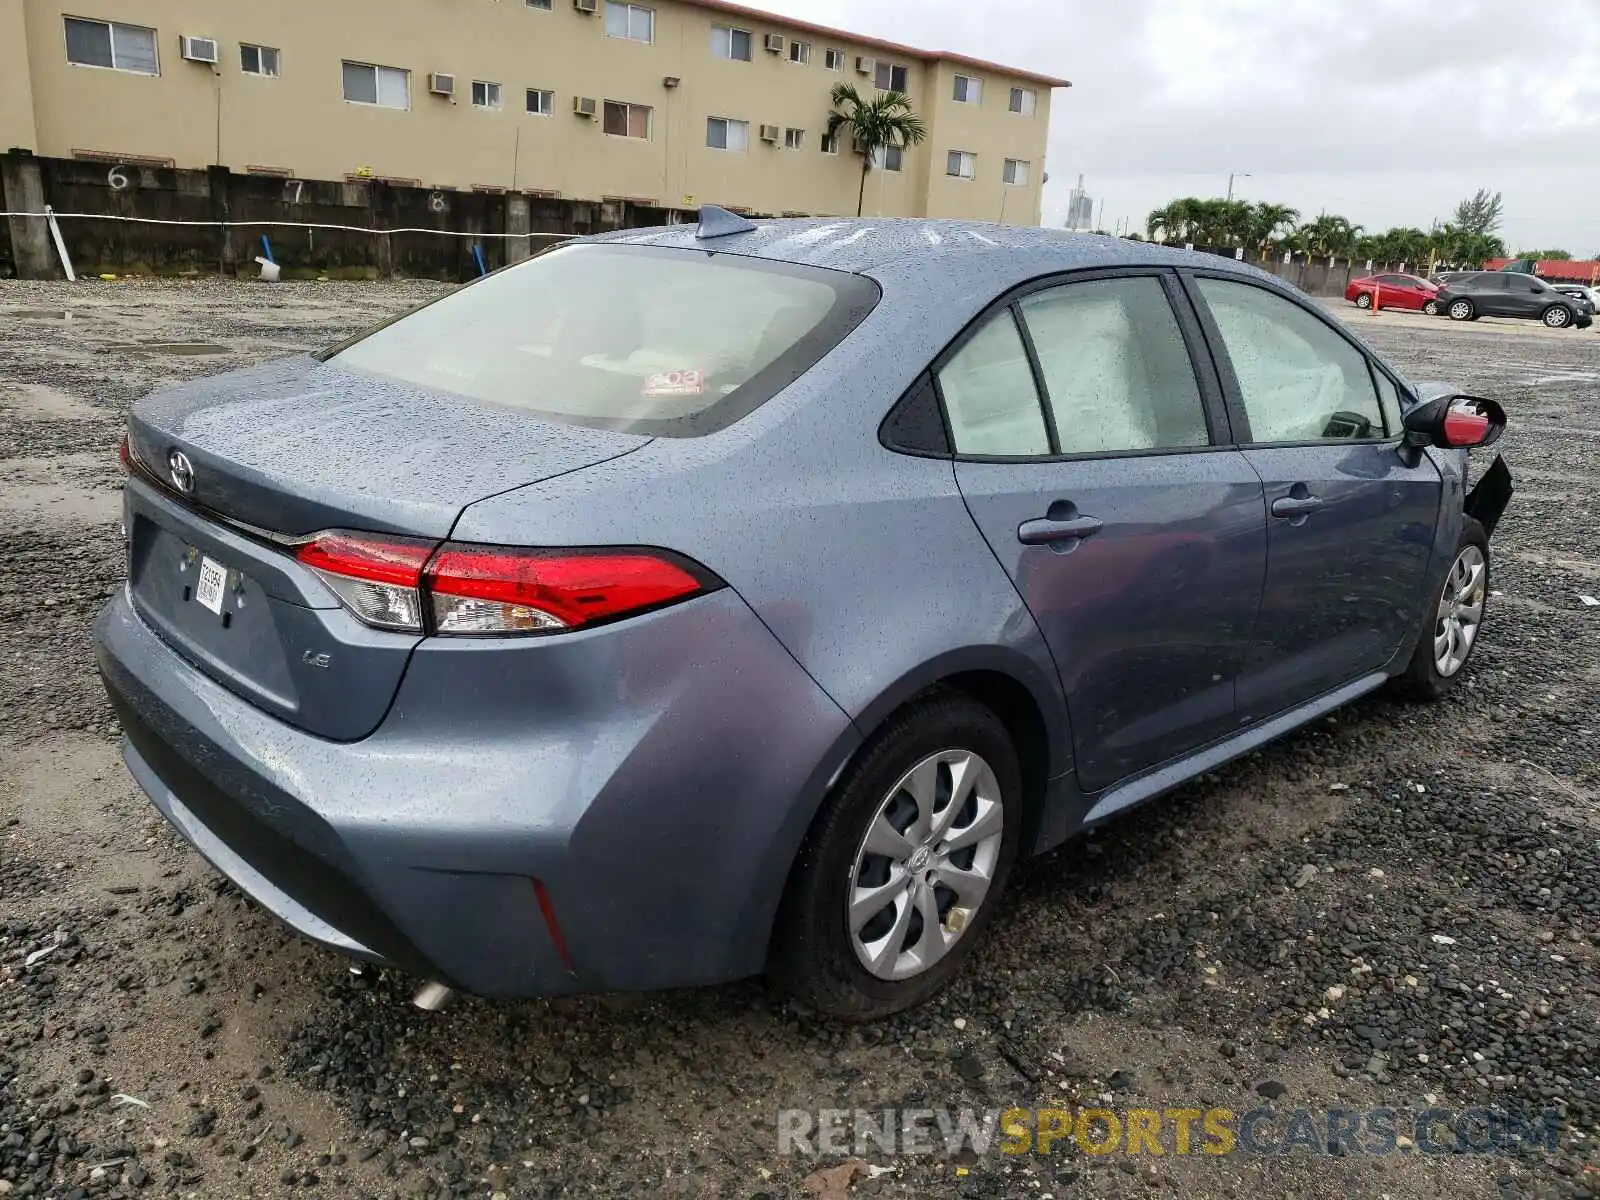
(1461, 310)
(1460, 611)
(1363, 301)
(1431, 308)
(925, 865)
(1556, 316)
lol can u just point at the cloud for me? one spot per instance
(1394, 107)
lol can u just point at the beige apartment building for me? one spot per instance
(666, 102)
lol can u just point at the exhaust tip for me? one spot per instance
(431, 997)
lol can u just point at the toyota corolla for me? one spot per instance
(693, 603)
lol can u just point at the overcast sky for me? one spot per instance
(1385, 111)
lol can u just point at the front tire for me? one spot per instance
(1431, 308)
(1461, 310)
(1453, 621)
(903, 867)
(1364, 300)
(1557, 316)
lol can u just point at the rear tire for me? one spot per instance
(1364, 300)
(1462, 310)
(1453, 621)
(832, 920)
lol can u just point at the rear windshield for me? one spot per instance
(665, 342)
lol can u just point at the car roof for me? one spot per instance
(912, 247)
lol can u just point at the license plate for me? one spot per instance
(213, 578)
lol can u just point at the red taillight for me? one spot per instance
(410, 584)
(490, 589)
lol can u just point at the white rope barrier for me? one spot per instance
(61, 216)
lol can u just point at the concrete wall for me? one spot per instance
(16, 84)
(193, 115)
(217, 195)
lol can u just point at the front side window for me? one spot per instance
(1117, 374)
(1015, 172)
(631, 21)
(961, 164)
(387, 87)
(485, 95)
(727, 42)
(663, 342)
(968, 90)
(889, 78)
(723, 134)
(1298, 380)
(1388, 401)
(112, 45)
(258, 60)
(800, 53)
(1022, 101)
(626, 120)
(540, 103)
(989, 396)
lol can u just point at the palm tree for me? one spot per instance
(873, 125)
(1328, 235)
(1266, 220)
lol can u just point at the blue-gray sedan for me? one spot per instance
(695, 602)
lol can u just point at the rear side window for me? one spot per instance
(989, 396)
(1299, 380)
(673, 343)
(1116, 371)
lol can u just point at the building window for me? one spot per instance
(627, 120)
(387, 87)
(794, 139)
(258, 60)
(1015, 172)
(727, 42)
(968, 90)
(723, 134)
(888, 158)
(485, 95)
(961, 163)
(890, 78)
(630, 21)
(833, 60)
(541, 104)
(107, 44)
(544, 5)
(800, 52)
(1022, 101)
(830, 143)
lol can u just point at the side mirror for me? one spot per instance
(1455, 423)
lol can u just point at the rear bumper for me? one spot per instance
(656, 776)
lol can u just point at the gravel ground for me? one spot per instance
(1397, 907)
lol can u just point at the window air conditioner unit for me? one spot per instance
(198, 49)
(769, 133)
(585, 106)
(586, 6)
(864, 65)
(441, 84)
(774, 42)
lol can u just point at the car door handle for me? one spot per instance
(1295, 506)
(1041, 531)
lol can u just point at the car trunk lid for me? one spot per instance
(285, 450)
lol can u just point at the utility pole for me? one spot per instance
(1241, 175)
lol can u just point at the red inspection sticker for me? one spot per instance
(675, 383)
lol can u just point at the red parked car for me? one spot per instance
(1397, 291)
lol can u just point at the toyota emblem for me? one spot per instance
(181, 470)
